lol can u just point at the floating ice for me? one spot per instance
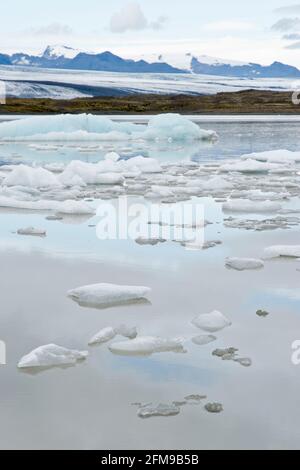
(244, 205)
(242, 264)
(150, 411)
(103, 336)
(262, 313)
(149, 241)
(214, 407)
(248, 166)
(102, 295)
(167, 127)
(204, 339)
(32, 177)
(261, 225)
(32, 231)
(66, 207)
(211, 322)
(274, 156)
(106, 334)
(277, 251)
(147, 345)
(51, 355)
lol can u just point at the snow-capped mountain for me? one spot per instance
(65, 57)
(207, 65)
(58, 51)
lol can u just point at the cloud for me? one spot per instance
(291, 37)
(132, 18)
(287, 24)
(295, 45)
(228, 26)
(53, 29)
(288, 10)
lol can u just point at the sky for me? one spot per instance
(256, 31)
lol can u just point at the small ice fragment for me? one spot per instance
(225, 353)
(51, 355)
(54, 217)
(262, 313)
(204, 339)
(242, 264)
(32, 231)
(101, 295)
(103, 336)
(149, 241)
(211, 322)
(195, 399)
(160, 410)
(244, 361)
(214, 407)
(288, 251)
(147, 345)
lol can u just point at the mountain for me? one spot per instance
(211, 66)
(63, 57)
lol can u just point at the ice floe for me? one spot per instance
(24, 175)
(274, 156)
(51, 355)
(230, 354)
(109, 333)
(202, 340)
(286, 251)
(274, 223)
(147, 345)
(248, 166)
(244, 205)
(32, 231)
(105, 295)
(162, 410)
(242, 264)
(211, 322)
(214, 407)
(88, 127)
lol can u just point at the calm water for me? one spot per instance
(90, 406)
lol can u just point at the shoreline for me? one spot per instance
(249, 102)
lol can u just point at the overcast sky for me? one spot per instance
(257, 31)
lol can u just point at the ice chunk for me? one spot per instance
(204, 339)
(248, 166)
(150, 411)
(244, 205)
(149, 241)
(65, 207)
(51, 355)
(242, 264)
(214, 407)
(24, 175)
(211, 322)
(274, 156)
(102, 295)
(106, 334)
(277, 251)
(32, 231)
(103, 336)
(147, 345)
(82, 127)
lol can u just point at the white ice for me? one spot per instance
(108, 294)
(245, 205)
(147, 345)
(108, 333)
(51, 355)
(277, 251)
(243, 264)
(211, 322)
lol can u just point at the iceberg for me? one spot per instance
(147, 345)
(51, 355)
(211, 322)
(105, 295)
(278, 251)
(88, 127)
(244, 205)
(243, 264)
